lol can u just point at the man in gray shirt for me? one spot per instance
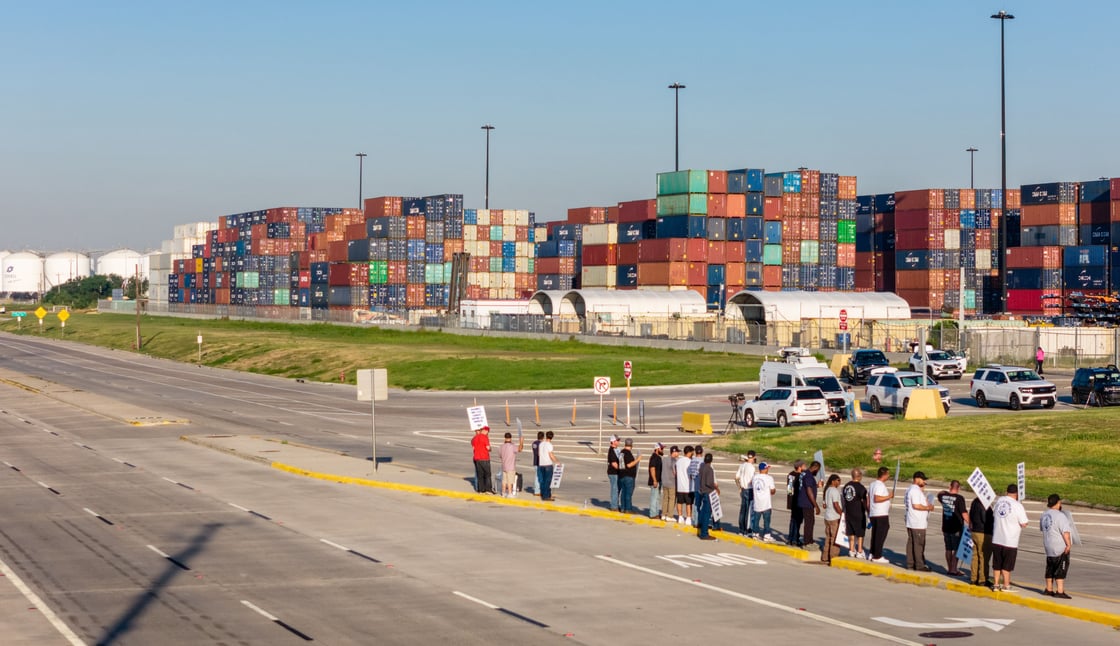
(1056, 541)
(707, 484)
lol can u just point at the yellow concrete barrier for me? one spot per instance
(925, 403)
(699, 423)
(838, 362)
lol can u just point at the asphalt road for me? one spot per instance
(131, 536)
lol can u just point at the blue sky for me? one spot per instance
(122, 119)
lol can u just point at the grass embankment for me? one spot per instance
(1074, 454)
(415, 360)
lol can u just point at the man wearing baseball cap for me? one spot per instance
(669, 485)
(480, 445)
(614, 458)
(917, 520)
(654, 481)
(1010, 519)
(743, 478)
(761, 505)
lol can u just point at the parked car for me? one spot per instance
(785, 406)
(960, 357)
(1104, 382)
(1014, 386)
(892, 390)
(799, 370)
(861, 365)
(938, 364)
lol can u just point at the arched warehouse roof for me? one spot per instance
(618, 302)
(794, 306)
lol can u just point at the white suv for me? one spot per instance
(1016, 387)
(939, 364)
(785, 406)
(892, 390)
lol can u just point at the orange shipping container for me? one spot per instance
(376, 207)
(810, 229)
(717, 205)
(1014, 198)
(772, 208)
(1034, 257)
(496, 249)
(1040, 215)
(397, 272)
(846, 254)
(415, 226)
(414, 295)
(663, 273)
(717, 181)
(735, 274)
(736, 205)
(811, 182)
(735, 251)
(697, 273)
(771, 276)
(847, 190)
(697, 250)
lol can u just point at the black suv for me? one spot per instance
(861, 363)
(1105, 382)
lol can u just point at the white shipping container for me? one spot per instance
(600, 276)
(509, 233)
(508, 281)
(525, 250)
(521, 217)
(600, 233)
(952, 238)
(521, 265)
(983, 259)
(470, 232)
(484, 217)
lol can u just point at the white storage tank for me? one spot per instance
(23, 273)
(64, 266)
(122, 262)
(3, 255)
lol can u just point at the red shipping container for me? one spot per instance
(338, 274)
(398, 272)
(543, 266)
(498, 217)
(717, 181)
(627, 253)
(1093, 213)
(735, 275)
(1040, 215)
(846, 187)
(598, 255)
(696, 250)
(717, 205)
(1114, 206)
(968, 198)
(846, 254)
(338, 251)
(791, 252)
(716, 253)
(865, 280)
(735, 251)
(812, 206)
(1025, 301)
(496, 249)
(772, 208)
(638, 210)
(304, 279)
(520, 234)
(568, 266)
(414, 295)
(662, 250)
(922, 200)
(482, 232)
(698, 273)
(415, 225)
(612, 214)
(587, 215)
(811, 182)
(810, 229)
(663, 273)
(355, 231)
(221, 296)
(772, 276)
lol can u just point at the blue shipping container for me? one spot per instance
(772, 232)
(1095, 191)
(627, 275)
(752, 228)
(682, 226)
(755, 203)
(717, 229)
(754, 252)
(716, 296)
(631, 232)
(716, 274)
(916, 259)
(736, 228)
(1090, 256)
(736, 181)
(1084, 278)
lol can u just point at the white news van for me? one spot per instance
(800, 369)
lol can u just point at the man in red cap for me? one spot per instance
(480, 443)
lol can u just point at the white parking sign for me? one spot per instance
(602, 386)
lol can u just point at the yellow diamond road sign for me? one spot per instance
(40, 312)
(63, 315)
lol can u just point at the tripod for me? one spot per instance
(736, 418)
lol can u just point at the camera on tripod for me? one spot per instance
(737, 398)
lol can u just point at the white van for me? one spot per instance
(799, 369)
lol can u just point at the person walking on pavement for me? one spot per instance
(480, 446)
(953, 520)
(762, 503)
(614, 458)
(1010, 519)
(833, 510)
(536, 463)
(508, 454)
(793, 488)
(1039, 358)
(546, 465)
(981, 524)
(627, 476)
(708, 485)
(855, 514)
(655, 471)
(684, 488)
(880, 514)
(669, 485)
(807, 500)
(743, 478)
(917, 521)
(1056, 531)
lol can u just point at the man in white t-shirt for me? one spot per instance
(917, 520)
(762, 496)
(743, 478)
(684, 487)
(880, 514)
(1010, 519)
(546, 464)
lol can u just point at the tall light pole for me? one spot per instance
(361, 159)
(1003, 17)
(676, 88)
(972, 166)
(488, 128)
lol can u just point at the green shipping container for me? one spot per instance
(810, 252)
(281, 297)
(772, 254)
(532, 266)
(846, 231)
(685, 204)
(248, 280)
(495, 264)
(433, 273)
(684, 181)
(970, 299)
(378, 272)
(495, 232)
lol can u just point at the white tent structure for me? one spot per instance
(795, 306)
(610, 304)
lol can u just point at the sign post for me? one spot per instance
(40, 313)
(627, 371)
(18, 316)
(844, 328)
(200, 346)
(602, 387)
(62, 316)
(1021, 472)
(373, 386)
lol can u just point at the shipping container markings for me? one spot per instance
(276, 621)
(347, 549)
(48, 488)
(500, 609)
(171, 559)
(97, 515)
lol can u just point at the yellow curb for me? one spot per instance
(1015, 598)
(17, 384)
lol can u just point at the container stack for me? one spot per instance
(1114, 234)
(875, 240)
(502, 255)
(559, 257)
(1048, 216)
(1094, 213)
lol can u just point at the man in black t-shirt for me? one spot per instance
(981, 524)
(793, 488)
(654, 481)
(953, 519)
(854, 497)
(537, 463)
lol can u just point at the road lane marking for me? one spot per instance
(676, 403)
(995, 625)
(48, 487)
(276, 620)
(11, 466)
(500, 609)
(474, 599)
(43, 608)
(177, 563)
(347, 549)
(719, 560)
(244, 509)
(97, 516)
(764, 602)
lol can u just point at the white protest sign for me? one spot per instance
(717, 510)
(477, 417)
(842, 533)
(1074, 537)
(1021, 474)
(982, 488)
(964, 550)
(819, 457)
(520, 431)
(557, 476)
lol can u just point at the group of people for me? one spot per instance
(544, 463)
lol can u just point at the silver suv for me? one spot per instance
(1016, 387)
(785, 406)
(939, 364)
(893, 390)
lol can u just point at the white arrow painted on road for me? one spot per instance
(995, 625)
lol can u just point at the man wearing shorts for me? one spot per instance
(1010, 519)
(953, 519)
(854, 496)
(1056, 541)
